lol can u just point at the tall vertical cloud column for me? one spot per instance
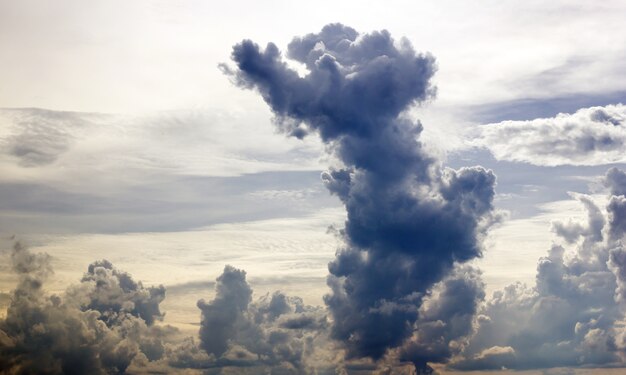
(408, 221)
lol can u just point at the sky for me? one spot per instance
(330, 187)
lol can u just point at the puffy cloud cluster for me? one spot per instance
(279, 334)
(275, 332)
(446, 321)
(106, 325)
(115, 294)
(590, 136)
(408, 221)
(573, 316)
(103, 325)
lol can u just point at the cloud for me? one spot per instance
(109, 323)
(446, 319)
(99, 330)
(131, 146)
(408, 220)
(590, 136)
(220, 316)
(42, 137)
(275, 331)
(572, 315)
(114, 294)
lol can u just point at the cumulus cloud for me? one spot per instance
(99, 330)
(174, 142)
(275, 332)
(408, 221)
(446, 319)
(114, 293)
(590, 136)
(573, 314)
(108, 323)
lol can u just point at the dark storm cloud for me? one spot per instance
(97, 327)
(351, 87)
(408, 221)
(571, 317)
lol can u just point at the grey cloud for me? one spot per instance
(616, 181)
(592, 232)
(69, 334)
(114, 294)
(446, 319)
(346, 77)
(571, 316)
(590, 136)
(408, 221)
(40, 136)
(275, 332)
(617, 216)
(220, 316)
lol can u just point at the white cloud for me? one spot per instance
(590, 136)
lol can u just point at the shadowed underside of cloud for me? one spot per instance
(590, 136)
(573, 316)
(408, 220)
